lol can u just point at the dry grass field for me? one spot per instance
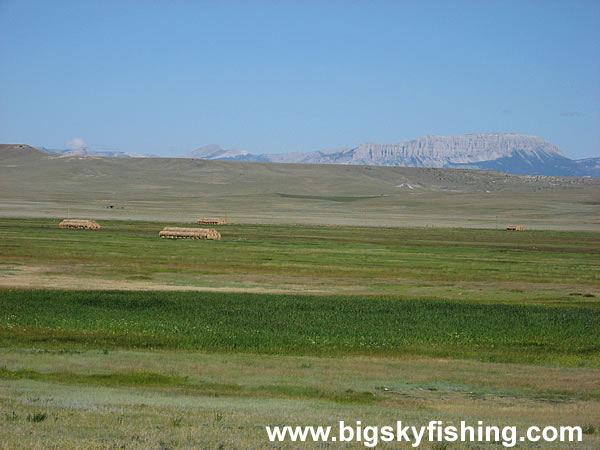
(228, 399)
(36, 184)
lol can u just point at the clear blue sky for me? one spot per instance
(166, 77)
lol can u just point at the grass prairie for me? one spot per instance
(116, 338)
(481, 265)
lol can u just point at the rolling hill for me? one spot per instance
(34, 183)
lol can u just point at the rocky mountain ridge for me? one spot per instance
(214, 151)
(510, 153)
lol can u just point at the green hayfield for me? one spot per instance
(287, 325)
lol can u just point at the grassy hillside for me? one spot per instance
(37, 184)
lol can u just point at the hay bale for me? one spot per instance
(515, 228)
(189, 233)
(79, 224)
(190, 229)
(211, 221)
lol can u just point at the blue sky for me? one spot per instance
(272, 76)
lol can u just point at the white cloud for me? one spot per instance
(75, 144)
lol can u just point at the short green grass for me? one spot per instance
(463, 264)
(174, 383)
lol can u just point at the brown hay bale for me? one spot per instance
(211, 221)
(189, 233)
(80, 224)
(193, 230)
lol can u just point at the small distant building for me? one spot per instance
(515, 228)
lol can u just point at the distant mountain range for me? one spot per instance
(511, 153)
(214, 151)
(86, 151)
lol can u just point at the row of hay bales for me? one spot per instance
(80, 224)
(166, 233)
(189, 233)
(211, 221)
(186, 233)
